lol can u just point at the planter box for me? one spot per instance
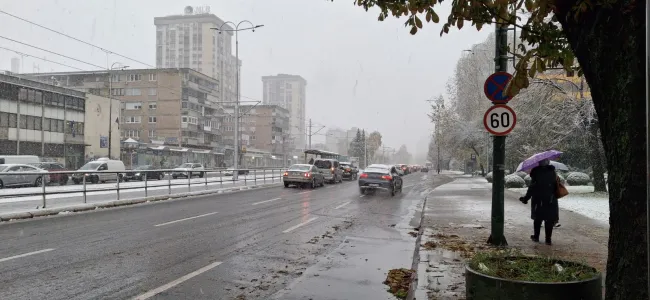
(484, 287)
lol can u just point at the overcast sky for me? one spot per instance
(360, 72)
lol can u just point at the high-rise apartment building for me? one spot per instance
(289, 92)
(15, 65)
(188, 41)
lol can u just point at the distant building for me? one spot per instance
(96, 132)
(288, 91)
(15, 65)
(264, 131)
(188, 41)
(43, 120)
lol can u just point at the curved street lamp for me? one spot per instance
(110, 104)
(236, 112)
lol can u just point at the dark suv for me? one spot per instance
(349, 170)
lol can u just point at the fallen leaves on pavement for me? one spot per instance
(399, 282)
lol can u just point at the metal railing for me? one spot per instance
(88, 179)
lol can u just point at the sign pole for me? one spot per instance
(499, 149)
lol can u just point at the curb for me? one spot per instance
(127, 202)
(416, 258)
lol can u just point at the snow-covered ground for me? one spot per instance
(583, 200)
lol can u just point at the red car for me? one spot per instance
(61, 179)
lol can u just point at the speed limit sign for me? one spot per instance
(499, 120)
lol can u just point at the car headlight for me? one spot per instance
(137, 174)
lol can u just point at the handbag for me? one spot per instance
(560, 190)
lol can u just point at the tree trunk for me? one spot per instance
(597, 167)
(609, 45)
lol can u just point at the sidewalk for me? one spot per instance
(456, 224)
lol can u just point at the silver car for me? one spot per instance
(188, 169)
(303, 175)
(17, 179)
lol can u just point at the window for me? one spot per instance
(133, 105)
(152, 133)
(153, 77)
(117, 92)
(30, 122)
(46, 124)
(252, 137)
(4, 119)
(153, 91)
(23, 122)
(132, 119)
(54, 125)
(133, 92)
(153, 105)
(183, 119)
(134, 77)
(131, 134)
(152, 119)
(115, 77)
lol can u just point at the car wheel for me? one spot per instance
(64, 180)
(201, 175)
(174, 176)
(38, 182)
(161, 176)
(362, 191)
(286, 184)
(313, 184)
(94, 179)
(75, 181)
(2, 185)
(120, 178)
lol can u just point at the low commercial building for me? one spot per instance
(43, 120)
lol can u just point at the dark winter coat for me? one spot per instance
(542, 188)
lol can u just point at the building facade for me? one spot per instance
(188, 41)
(43, 120)
(176, 109)
(289, 92)
(15, 65)
(264, 132)
(98, 109)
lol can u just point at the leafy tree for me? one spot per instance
(607, 38)
(402, 155)
(373, 143)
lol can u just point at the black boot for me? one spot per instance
(534, 238)
(548, 241)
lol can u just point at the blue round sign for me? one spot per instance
(495, 87)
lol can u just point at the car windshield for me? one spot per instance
(299, 168)
(376, 170)
(186, 166)
(3, 167)
(91, 166)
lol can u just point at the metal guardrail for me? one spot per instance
(268, 175)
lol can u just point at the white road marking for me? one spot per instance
(362, 196)
(176, 282)
(265, 201)
(299, 225)
(342, 205)
(408, 186)
(25, 254)
(304, 192)
(190, 218)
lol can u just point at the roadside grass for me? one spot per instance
(513, 265)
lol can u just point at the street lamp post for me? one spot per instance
(110, 106)
(236, 30)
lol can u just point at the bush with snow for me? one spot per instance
(562, 178)
(488, 177)
(521, 174)
(528, 180)
(514, 181)
(578, 178)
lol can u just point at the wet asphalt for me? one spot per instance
(273, 243)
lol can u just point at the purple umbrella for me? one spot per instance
(534, 160)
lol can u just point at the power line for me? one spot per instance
(76, 39)
(52, 52)
(43, 59)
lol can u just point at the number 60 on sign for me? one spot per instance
(499, 120)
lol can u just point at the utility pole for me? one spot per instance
(309, 133)
(499, 148)
(365, 150)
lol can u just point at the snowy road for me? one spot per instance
(26, 199)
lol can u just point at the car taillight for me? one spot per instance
(332, 170)
(363, 175)
(348, 169)
(286, 174)
(387, 177)
(308, 175)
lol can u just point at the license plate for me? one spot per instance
(374, 185)
(296, 173)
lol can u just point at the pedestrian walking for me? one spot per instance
(311, 161)
(544, 206)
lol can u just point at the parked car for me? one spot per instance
(19, 159)
(231, 171)
(188, 169)
(138, 173)
(349, 170)
(17, 180)
(103, 164)
(303, 175)
(330, 169)
(380, 177)
(424, 169)
(61, 179)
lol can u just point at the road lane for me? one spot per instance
(119, 253)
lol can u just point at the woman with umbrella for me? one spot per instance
(544, 206)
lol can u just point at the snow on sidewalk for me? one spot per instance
(584, 201)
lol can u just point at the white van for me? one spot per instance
(101, 164)
(19, 159)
